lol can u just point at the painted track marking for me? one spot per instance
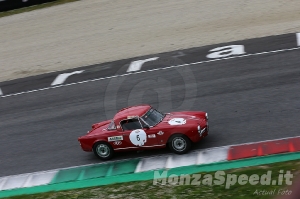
(168, 67)
(61, 78)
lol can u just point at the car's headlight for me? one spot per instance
(199, 128)
(206, 116)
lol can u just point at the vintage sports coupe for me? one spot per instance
(143, 127)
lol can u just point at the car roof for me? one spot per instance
(137, 110)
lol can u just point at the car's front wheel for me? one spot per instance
(103, 150)
(179, 143)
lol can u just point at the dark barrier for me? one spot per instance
(6, 5)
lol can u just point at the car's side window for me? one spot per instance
(130, 124)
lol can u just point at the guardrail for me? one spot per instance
(6, 5)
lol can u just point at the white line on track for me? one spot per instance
(190, 64)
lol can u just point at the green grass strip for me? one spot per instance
(150, 174)
(146, 189)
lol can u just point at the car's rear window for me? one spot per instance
(111, 126)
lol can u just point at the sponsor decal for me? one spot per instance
(117, 143)
(160, 133)
(177, 121)
(115, 138)
(151, 136)
(138, 137)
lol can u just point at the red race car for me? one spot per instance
(143, 127)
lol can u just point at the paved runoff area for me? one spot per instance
(97, 31)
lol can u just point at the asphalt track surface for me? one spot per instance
(248, 99)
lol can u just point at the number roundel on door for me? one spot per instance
(138, 137)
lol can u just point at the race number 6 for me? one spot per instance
(138, 137)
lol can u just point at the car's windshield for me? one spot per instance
(153, 117)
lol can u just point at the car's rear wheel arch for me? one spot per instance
(96, 141)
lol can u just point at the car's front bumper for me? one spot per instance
(203, 130)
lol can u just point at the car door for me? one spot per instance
(158, 135)
(152, 138)
(135, 136)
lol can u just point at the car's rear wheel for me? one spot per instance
(179, 143)
(103, 150)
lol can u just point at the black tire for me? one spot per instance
(103, 150)
(179, 144)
